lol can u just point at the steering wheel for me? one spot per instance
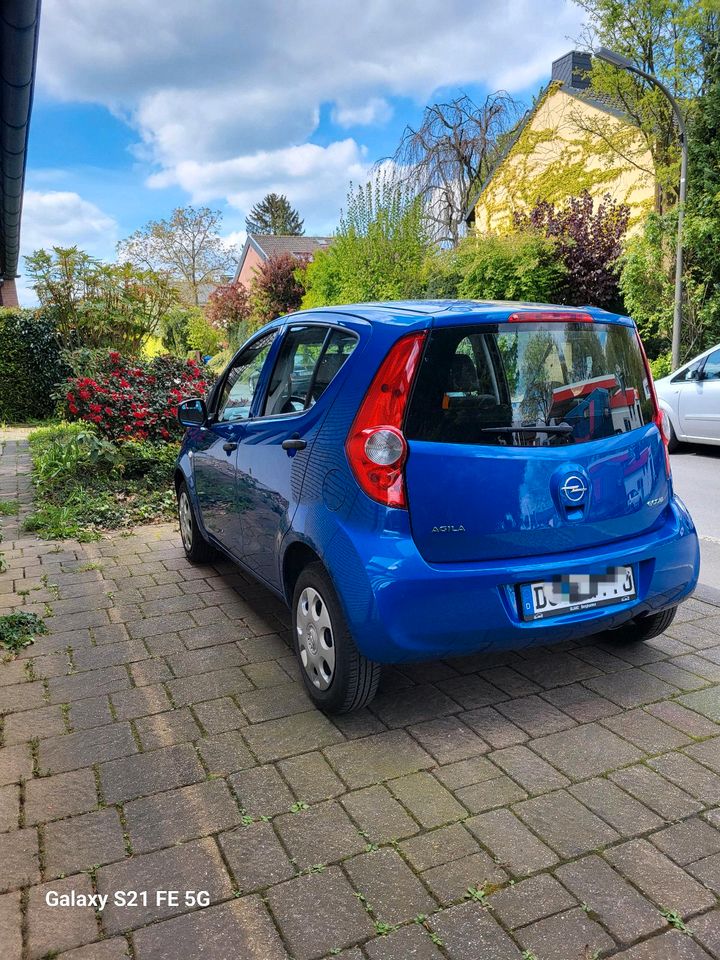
(293, 404)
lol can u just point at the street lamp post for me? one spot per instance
(617, 60)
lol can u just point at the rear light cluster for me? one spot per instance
(659, 416)
(376, 448)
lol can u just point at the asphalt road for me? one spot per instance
(696, 476)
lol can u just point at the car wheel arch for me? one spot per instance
(297, 556)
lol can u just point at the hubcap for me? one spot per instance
(315, 638)
(185, 515)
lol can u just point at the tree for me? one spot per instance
(97, 304)
(664, 37)
(275, 289)
(187, 248)
(589, 241)
(519, 266)
(274, 215)
(446, 159)
(378, 251)
(228, 306)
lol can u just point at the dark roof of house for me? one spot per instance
(571, 74)
(19, 25)
(270, 245)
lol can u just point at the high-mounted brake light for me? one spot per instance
(550, 316)
(659, 416)
(376, 448)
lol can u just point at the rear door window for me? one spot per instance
(529, 384)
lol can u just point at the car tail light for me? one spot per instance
(659, 416)
(551, 316)
(376, 448)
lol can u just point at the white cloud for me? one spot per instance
(224, 94)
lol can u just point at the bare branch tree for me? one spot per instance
(451, 153)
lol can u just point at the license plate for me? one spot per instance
(576, 591)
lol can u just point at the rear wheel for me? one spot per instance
(196, 547)
(644, 628)
(337, 676)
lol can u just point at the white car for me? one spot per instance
(691, 399)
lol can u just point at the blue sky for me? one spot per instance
(142, 107)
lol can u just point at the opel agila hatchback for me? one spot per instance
(430, 479)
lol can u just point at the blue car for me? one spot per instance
(429, 479)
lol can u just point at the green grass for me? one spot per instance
(18, 630)
(9, 508)
(84, 484)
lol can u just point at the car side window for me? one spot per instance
(242, 378)
(309, 359)
(688, 374)
(711, 370)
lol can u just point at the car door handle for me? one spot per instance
(295, 443)
(229, 446)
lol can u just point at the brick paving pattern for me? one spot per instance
(557, 804)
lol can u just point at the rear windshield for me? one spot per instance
(529, 384)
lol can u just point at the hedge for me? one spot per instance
(31, 365)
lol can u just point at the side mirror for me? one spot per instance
(192, 413)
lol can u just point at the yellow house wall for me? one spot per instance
(566, 147)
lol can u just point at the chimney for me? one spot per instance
(573, 70)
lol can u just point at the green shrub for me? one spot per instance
(520, 266)
(17, 630)
(661, 366)
(31, 364)
(201, 335)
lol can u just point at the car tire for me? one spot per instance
(196, 547)
(337, 677)
(644, 628)
(673, 442)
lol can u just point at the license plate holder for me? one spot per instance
(570, 593)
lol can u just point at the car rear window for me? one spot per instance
(501, 384)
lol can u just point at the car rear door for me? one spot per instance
(699, 401)
(529, 438)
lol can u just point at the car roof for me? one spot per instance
(411, 311)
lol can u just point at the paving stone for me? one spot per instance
(659, 878)
(552, 668)
(690, 840)
(148, 672)
(707, 753)
(276, 739)
(471, 691)
(586, 751)
(428, 801)
(79, 843)
(535, 716)
(646, 731)
(284, 700)
(448, 739)
(468, 933)
(699, 665)
(59, 928)
(150, 773)
(582, 704)
(338, 917)
(690, 776)
(631, 688)
(611, 900)
(11, 926)
(674, 674)
(378, 814)
(151, 626)
(407, 943)
(114, 949)
(108, 655)
(255, 857)
(706, 930)
(621, 811)
(707, 872)
(321, 834)
(238, 929)
(75, 750)
(140, 702)
(530, 900)
(269, 674)
(262, 792)
(533, 773)
(667, 800)
(569, 934)
(494, 727)
(206, 660)
(90, 713)
(400, 708)
(511, 682)
(510, 842)
(225, 753)
(380, 757)
(19, 859)
(21, 696)
(219, 716)
(66, 794)
(15, 764)
(208, 686)
(190, 866)
(9, 807)
(565, 824)
(488, 794)
(389, 886)
(669, 946)
(91, 683)
(31, 724)
(437, 847)
(311, 777)
(166, 729)
(165, 819)
(464, 773)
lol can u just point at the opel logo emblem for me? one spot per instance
(574, 489)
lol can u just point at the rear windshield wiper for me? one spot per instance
(561, 428)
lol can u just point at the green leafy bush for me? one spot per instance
(661, 366)
(201, 335)
(31, 364)
(17, 630)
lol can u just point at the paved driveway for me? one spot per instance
(558, 803)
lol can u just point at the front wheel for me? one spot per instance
(337, 676)
(196, 547)
(645, 627)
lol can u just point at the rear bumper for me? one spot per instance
(400, 607)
